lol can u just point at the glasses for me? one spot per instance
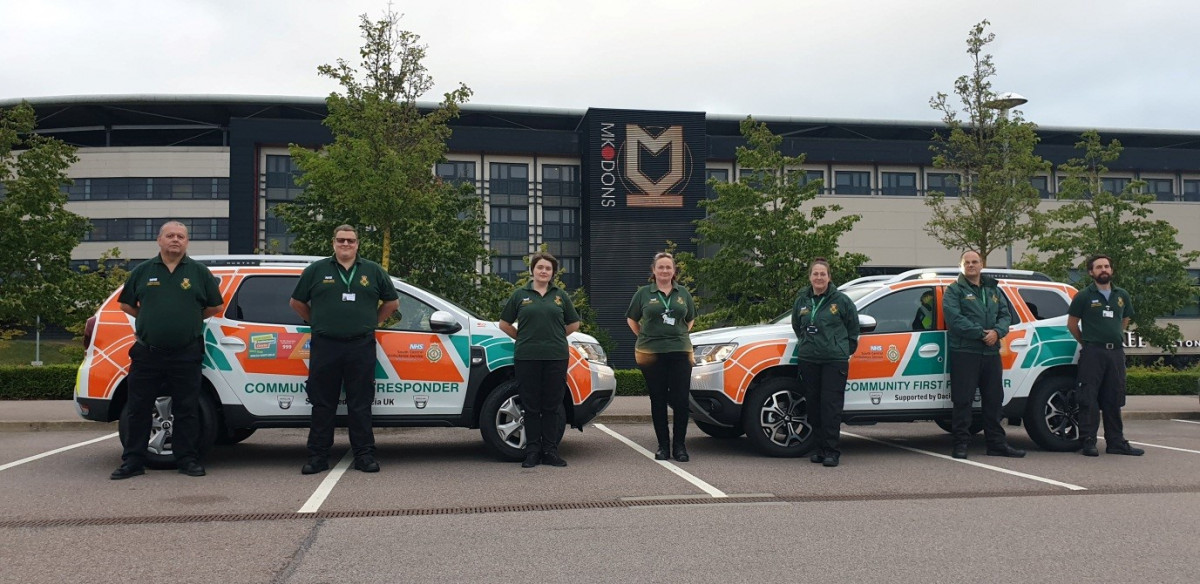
(662, 255)
(345, 240)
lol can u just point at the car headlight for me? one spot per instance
(706, 354)
(594, 352)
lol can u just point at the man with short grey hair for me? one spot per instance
(169, 296)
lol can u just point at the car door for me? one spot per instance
(420, 371)
(901, 364)
(262, 346)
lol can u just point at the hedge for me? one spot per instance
(58, 382)
(46, 382)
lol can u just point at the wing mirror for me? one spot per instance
(866, 323)
(443, 323)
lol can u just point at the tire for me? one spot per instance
(502, 423)
(775, 417)
(975, 428)
(158, 452)
(234, 436)
(719, 431)
(1052, 416)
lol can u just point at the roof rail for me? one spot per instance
(255, 259)
(952, 271)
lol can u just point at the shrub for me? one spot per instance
(48, 382)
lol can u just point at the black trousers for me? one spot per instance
(175, 373)
(335, 365)
(1100, 391)
(968, 372)
(668, 380)
(824, 386)
(542, 386)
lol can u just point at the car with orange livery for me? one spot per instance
(437, 365)
(744, 380)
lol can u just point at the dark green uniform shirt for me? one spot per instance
(1101, 318)
(170, 304)
(836, 320)
(970, 310)
(663, 319)
(344, 304)
(541, 322)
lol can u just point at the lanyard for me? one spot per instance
(347, 280)
(665, 300)
(812, 316)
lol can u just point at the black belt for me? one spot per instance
(166, 349)
(345, 339)
(1109, 346)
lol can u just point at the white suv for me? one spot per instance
(744, 381)
(439, 365)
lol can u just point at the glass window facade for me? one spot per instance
(899, 184)
(852, 182)
(560, 180)
(510, 268)
(511, 223)
(509, 179)
(135, 189)
(1191, 190)
(942, 182)
(1114, 185)
(146, 229)
(1163, 189)
(457, 172)
(1042, 184)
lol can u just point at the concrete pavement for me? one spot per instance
(60, 415)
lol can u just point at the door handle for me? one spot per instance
(1019, 343)
(929, 350)
(235, 343)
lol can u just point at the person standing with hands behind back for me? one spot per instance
(826, 325)
(661, 315)
(544, 316)
(977, 320)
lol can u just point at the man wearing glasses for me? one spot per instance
(343, 298)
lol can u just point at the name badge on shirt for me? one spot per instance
(1106, 313)
(348, 296)
(668, 319)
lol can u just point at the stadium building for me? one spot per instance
(603, 188)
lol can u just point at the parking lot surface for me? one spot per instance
(443, 509)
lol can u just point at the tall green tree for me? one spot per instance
(37, 232)
(766, 231)
(378, 172)
(1147, 257)
(991, 149)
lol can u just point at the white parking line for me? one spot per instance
(1163, 447)
(335, 474)
(972, 463)
(703, 486)
(1185, 421)
(56, 451)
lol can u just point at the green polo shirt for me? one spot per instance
(170, 304)
(541, 322)
(1093, 312)
(324, 285)
(657, 334)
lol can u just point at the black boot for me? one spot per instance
(680, 452)
(664, 452)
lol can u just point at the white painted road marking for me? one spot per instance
(703, 486)
(972, 463)
(335, 474)
(56, 451)
(1163, 447)
(1185, 421)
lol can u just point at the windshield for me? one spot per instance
(854, 292)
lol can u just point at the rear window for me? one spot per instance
(1044, 303)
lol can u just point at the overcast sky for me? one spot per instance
(1088, 64)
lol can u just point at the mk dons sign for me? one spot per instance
(655, 162)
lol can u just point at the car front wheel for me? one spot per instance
(775, 417)
(502, 423)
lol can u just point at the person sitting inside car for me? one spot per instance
(923, 321)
